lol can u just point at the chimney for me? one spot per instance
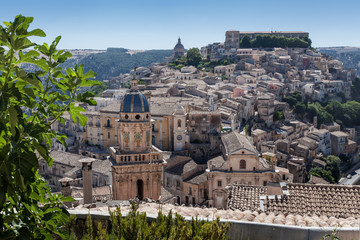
(65, 184)
(87, 179)
(315, 121)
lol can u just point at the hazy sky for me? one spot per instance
(151, 24)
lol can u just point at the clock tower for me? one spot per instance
(179, 129)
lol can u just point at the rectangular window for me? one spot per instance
(190, 191)
(219, 183)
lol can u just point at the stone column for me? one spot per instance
(87, 179)
(65, 186)
(210, 182)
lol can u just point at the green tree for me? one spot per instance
(98, 89)
(193, 57)
(308, 40)
(266, 41)
(294, 98)
(355, 90)
(315, 109)
(278, 115)
(30, 102)
(335, 109)
(245, 42)
(332, 165)
(331, 173)
(300, 108)
(291, 101)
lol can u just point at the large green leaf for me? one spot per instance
(13, 118)
(36, 32)
(75, 113)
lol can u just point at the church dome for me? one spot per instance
(134, 102)
(179, 46)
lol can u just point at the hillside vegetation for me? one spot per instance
(350, 56)
(115, 61)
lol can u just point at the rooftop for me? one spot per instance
(198, 178)
(339, 134)
(235, 141)
(182, 168)
(231, 215)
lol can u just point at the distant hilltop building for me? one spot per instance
(233, 37)
(179, 50)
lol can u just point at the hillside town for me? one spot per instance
(235, 134)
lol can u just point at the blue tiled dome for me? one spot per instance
(134, 102)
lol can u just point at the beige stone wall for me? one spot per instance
(135, 157)
(191, 192)
(109, 131)
(163, 133)
(93, 130)
(134, 132)
(126, 181)
(196, 195)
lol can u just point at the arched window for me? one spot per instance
(242, 164)
(108, 123)
(179, 123)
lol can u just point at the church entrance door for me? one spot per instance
(140, 189)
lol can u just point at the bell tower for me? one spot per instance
(179, 129)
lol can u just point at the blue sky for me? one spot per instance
(152, 24)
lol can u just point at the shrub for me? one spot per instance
(135, 226)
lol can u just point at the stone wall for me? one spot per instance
(249, 230)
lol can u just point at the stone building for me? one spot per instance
(186, 180)
(94, 132)
(239, 163)
(162, 126)
(339, 142)
(232, 39)
(67, 164)
(180, 131)
(204, 129)
(169, 131)
(137, 166)
(265, 106)
(109, 116)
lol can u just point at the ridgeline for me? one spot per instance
(114, 61)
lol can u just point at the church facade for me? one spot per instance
(240, 163)
(137, 166)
